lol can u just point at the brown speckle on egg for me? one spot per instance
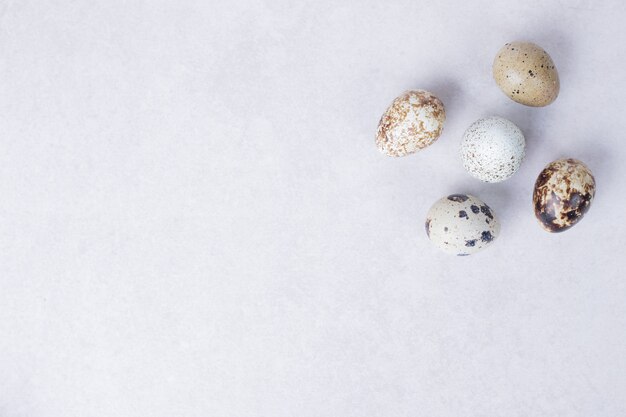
(459, 198)
(563, 194)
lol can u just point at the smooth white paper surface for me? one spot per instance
(195, 221)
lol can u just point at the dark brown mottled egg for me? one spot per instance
(563, 194)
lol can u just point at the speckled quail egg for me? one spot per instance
(563, 194)
(492, 149)
(412, 122)
(526, 74)
(461, 224)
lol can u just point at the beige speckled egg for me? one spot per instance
(412, 122)
(526, 73)
(563, 194)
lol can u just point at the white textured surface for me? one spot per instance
(195, 221)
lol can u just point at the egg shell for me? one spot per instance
(461, 224)
(563, 194)
(412, 122)
(492, 149)
(526, 74)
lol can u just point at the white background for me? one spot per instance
(194, 219)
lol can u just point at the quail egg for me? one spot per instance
(461, 224)
(412, 122)
(492, 149)
(563, 194)
(526, 74)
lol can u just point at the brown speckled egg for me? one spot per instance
(412, 122)
(563, 193)
(526, 73)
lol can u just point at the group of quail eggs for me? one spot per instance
(492, 150)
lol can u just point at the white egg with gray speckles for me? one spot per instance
(492, 149)
(461, 224)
